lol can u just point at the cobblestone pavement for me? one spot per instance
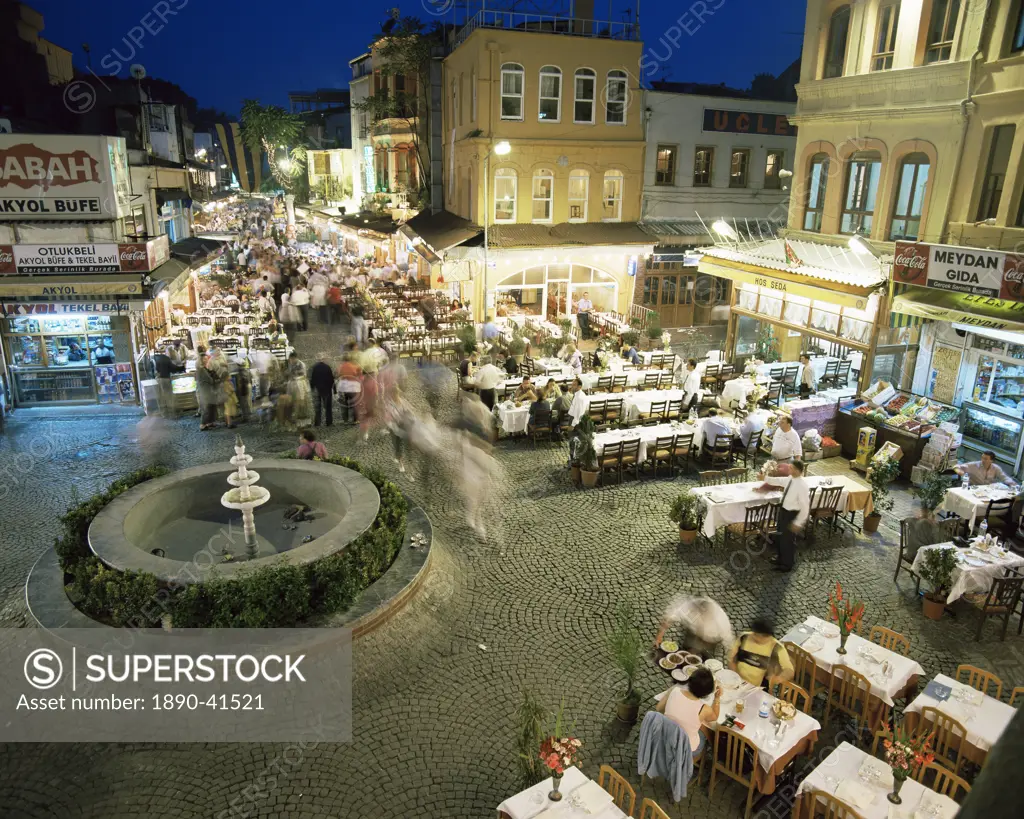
(436, 689)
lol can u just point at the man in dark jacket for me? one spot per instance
(163, 366)
(321, 381)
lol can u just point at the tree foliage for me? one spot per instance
(267, 127)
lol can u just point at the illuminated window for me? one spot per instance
(665, 167)
(863, 172)
(511, 91)
(504, 195)
(816, 185)
(543, 195)
(579, 194)
(550, 104)
(611, 198)
(739, 168)
(772, 166)
(703, 162)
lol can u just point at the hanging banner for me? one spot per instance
(83, 257)
(62, 290)
(955, 269)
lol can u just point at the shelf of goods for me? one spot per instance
(54, 386)
(904, 419)
(989, 426)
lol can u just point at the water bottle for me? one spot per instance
(983, 531)
(965, 482)
(763, 710)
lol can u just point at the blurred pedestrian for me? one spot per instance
(321, 380)
(310, 448)
(299, 391)
(349, 383)
(358, 324)
(703, 624)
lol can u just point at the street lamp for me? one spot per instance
(502, 148)
(285, 165)
(862, 247)
(723, 228)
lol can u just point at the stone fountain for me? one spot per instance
(245, 496)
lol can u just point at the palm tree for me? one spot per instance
(269, 128)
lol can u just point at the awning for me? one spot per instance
(433, 233)
(683, 232)
(170, 276)
(196, 249)
(63, 287)
(962, 308)
(172, 195)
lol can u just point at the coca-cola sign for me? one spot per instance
(83, 257)
(956, 269)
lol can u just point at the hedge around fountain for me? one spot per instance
(268, 597)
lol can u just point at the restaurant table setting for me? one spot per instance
(513, 419)
(581, 796)
(738, 390)
(727, 503)
(985, 718)
(863, 782)
(778, 730)
(646, 435)
(973, 501)
(892, 676)
(634, 378)
(977, 566)
(634, 403)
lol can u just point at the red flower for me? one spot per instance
(839, 590)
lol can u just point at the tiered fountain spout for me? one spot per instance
(245, 495)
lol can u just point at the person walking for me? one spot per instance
(300, 298)
(288, 314)
(358, 324)
(349, 384)
(793, 512)
(207, 390)
(321, 379)
(164, 394)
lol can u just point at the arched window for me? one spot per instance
(615, 106)
(611, 197)
(941, 30)
(835, 43)
(909, 202)
(817, 180)
(863, 171)
(543, 195)
(583, 103)
(885, 36)
(504, 195)
(579, 195)
(511, 91)
(549, 108)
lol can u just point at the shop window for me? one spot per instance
(504, 195)
(550, 105)
(739, 168)
(913, 182)
(579, 194)
(543, 195)
(668, 290)
(835, 44)
(703, 162)
(772, 166)
(583, 104)
(665, 167)
(885, 37)
(651, 285)
(611, 198)
(615, 106)
(941, 30)
(511, 91)
(863, 173)
(1000, 144)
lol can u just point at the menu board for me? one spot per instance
(944, 371)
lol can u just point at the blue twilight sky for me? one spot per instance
(223, 51)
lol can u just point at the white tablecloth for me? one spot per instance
(647, 436)
(633, 403)
(764, 370)
(739, 390)
(972, 502)
(514, 420)
(761, 732)
(533, 801)
(727, 503)
(969, 577)
(838, 772)
(985, 722)
(884, 688)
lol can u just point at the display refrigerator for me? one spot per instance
(986, 426)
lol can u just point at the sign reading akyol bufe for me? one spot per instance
(83, 257)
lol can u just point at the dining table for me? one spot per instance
(727, 503)
(738, 390)
(896, 681)
(976, 566)
(973, 501)
(634, 402)
(581, 797)
(863, 782)
(984, 718)
(646, 435)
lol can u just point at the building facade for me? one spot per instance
(561, 206)
(363, 178)
(712, 153)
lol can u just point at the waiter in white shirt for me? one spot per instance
(691, 386)
(583, 308)
(786, 445)
(486, 379)
(808, 383)
(793, 514)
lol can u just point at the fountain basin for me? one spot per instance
(181, 514)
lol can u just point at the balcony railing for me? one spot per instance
(551, 24)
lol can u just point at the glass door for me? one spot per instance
(983, 382)
(1007, 385)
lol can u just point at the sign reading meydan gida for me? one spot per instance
(992, 273)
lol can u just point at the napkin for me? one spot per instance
(937, 691)
(853, 793)
(799, 635)
(592, 796)
(947, 807)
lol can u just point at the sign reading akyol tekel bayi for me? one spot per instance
(55, 177)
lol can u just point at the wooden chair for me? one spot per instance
(610, 459)
(721, 451)
(943, 781)
(735, 475)
(790, 381)
(613, 411)
(751, 449)
(710, 377)
(619, 383)
(597, 410)
(1017, 692)
(795, 696)
(710, 478)
(656, 414)
(622, 792)
(541, 423)
(604, 383)
(675, 409)
(826, 507)
(752, 529)
(1001, 601)
(651, 381)
(736, 763)
(843, 376)
(849, 691)
(828, 378)
(630, 458)
(682, 452)
(649, 809)
(815, 804)
(892, 640)
(947, 736)
(805, 670)
(662, 452)
(905, 558)
(773, 397)
(881, 735)
(979, 679)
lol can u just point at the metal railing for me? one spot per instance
(551, 24)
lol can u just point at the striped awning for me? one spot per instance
(961, 308)
(897, 320)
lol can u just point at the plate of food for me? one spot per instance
(675, 658)
(691, 659)
(680, 674)
(667, 664)
(713, 665)
(784, 710)
(669, 646)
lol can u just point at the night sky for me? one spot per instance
(223, 51)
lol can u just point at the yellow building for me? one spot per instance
(561, 205)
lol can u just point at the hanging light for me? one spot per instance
(861, 246)
(723, 228)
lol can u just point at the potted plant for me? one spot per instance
(626, 647)
(937, 567)
(587, 454)
(565, 324)
(880, 475)
(630, 338)
(933, 490)
(684, 512)
(516, 348)
(467, 339)
(653, 335)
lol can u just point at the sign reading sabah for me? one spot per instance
(972, 270)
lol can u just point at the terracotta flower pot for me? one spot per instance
(627, 712)
(687, 536)
(589, 478)
(871, 523)
(933, 609)
(575, 473)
